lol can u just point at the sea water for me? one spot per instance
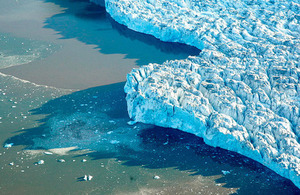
(63, 66)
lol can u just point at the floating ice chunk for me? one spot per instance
(40, 162)
(48, 153)
(61, 160)
(225, 172)
(83, 160)
(131, 122)
(87, 177)
(8, 145)
(114, 141)
(11, 164)
(156, 177)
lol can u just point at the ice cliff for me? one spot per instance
(242, 92)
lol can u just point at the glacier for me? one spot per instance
(241, 93)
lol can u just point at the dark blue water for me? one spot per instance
(91, 24)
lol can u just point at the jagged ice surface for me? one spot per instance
(242, 93)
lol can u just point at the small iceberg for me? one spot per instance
(225, 172)
(48, 153)
(8, 145)
(61, 160)
(131, 122)
(40, 162)
(87, 177)
(156, 177)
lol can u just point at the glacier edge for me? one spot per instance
(242, 93)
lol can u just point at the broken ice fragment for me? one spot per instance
(156, 177)
(114, 141)
(61, 160)
(225, 172)
(40, 162)
(48, 153)
(87, 178)
(8, 145)
(83, 160)
(131, 122)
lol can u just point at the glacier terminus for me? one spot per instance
(241, 93)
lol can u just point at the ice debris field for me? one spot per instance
(241, 93)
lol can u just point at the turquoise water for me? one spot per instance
(87, 120)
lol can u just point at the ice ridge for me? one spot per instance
(242, 92)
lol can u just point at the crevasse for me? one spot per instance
(241, 93)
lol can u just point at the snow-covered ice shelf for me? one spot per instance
(242, 92)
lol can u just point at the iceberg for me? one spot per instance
(241, 93)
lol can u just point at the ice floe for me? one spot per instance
(48, 153)
(242, 92)
(41, 162)
(87, 178)
(156, 177)
(8, 145)
(83, 160)
(61, 160)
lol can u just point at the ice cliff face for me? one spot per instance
(242, 93)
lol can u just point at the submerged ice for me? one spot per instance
(81, 131)
(242, 92)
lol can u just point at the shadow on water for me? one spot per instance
(91, 24)
(96, 119)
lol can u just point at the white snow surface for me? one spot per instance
(242, 92)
